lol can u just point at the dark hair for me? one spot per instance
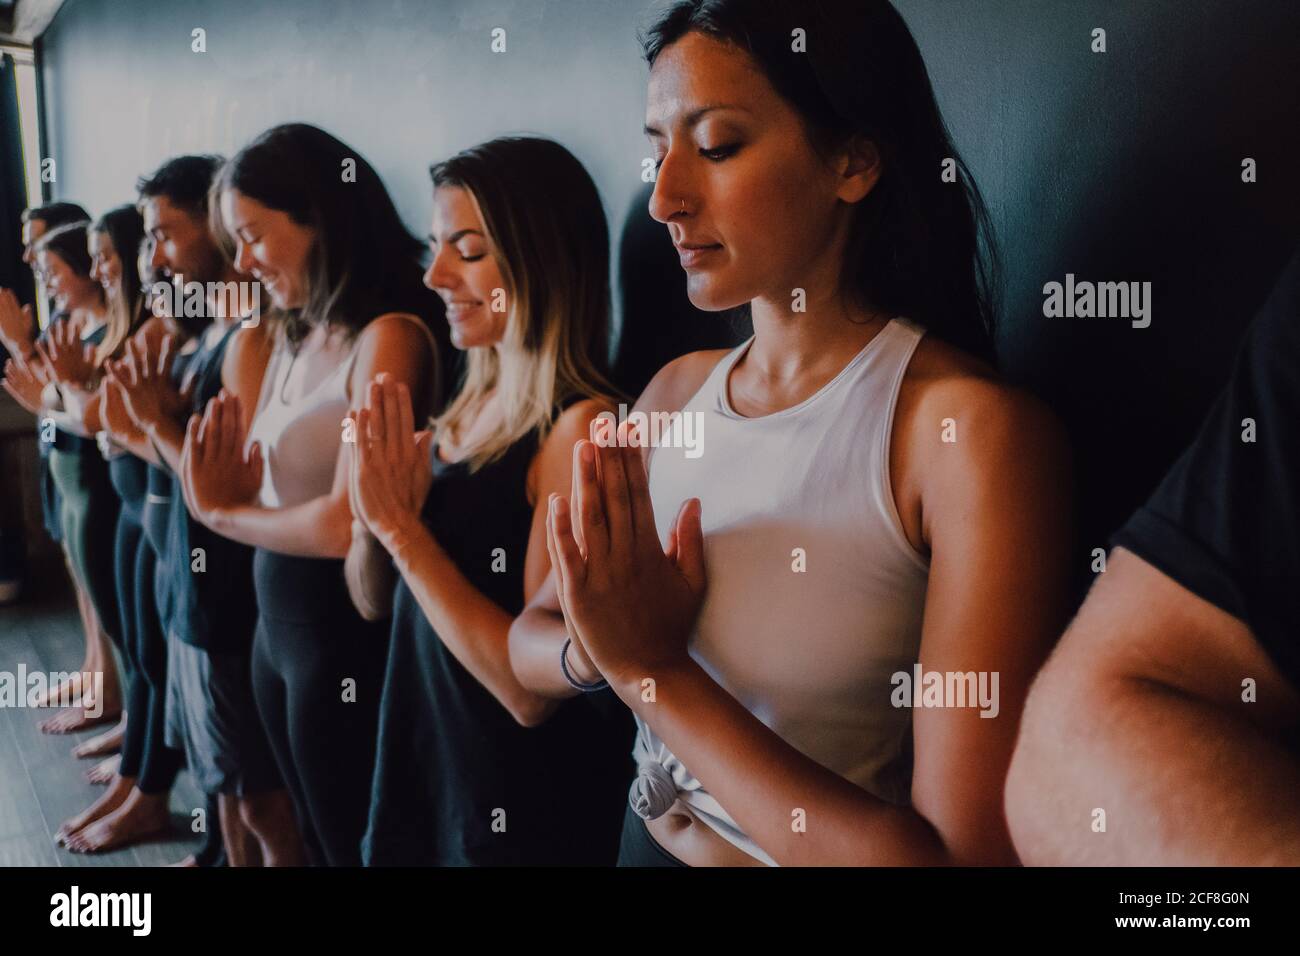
(919, 246)
(183, 181)
(55, 214)
(364, 261)
(124, 227)
(69, 244)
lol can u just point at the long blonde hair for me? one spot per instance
(547, 232)
(124, 227)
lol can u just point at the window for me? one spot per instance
(29, 135)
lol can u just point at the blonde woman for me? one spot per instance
(473, 769)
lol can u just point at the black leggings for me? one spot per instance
(310, 641)
(145, 755)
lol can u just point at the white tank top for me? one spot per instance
(809, 652)
(301, 429)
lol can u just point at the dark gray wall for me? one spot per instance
(1116, 166)
(403, 81)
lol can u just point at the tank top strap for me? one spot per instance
(198, 367)
(715, 383)
(228, 335)
(884, 358)
(270, 379)
(899, 339)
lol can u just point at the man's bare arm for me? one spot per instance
(1140, 714)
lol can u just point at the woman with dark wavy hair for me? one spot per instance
(135, 804)
(311, 220)
(870, 506)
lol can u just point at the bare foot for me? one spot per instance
(190, 860)
(139, 817)
(101, 745)
(78, 718)
(118, 790)
(68, 690)
(104, 771)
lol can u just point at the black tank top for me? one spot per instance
(457, 780)
(212, 600)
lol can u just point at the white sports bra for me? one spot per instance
(300, 429)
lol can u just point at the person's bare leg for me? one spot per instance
(99, 703)
(99, 647)
(242, 847)
(140, 816)
(71, 688)
(271, 820)
(101, 745)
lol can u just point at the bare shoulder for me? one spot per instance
(394, 341)
(951, 398)
(246, 359)
(574, 423)
(675, 383)
(550, 466)
(398, 328)
(250, 340)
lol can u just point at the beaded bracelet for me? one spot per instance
(573, 681)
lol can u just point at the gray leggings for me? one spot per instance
(88, 516)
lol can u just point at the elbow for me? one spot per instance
(525, 643)
(1019, 803)
(370, 611)
(370, 591)
(1040, 794)
(530, 710)
(516, 639)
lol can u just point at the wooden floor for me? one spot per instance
(41, 783)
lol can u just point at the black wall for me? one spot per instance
(1115, 166)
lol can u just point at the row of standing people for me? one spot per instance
(439, 644)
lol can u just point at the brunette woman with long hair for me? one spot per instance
(343, 274)
(871, 502)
